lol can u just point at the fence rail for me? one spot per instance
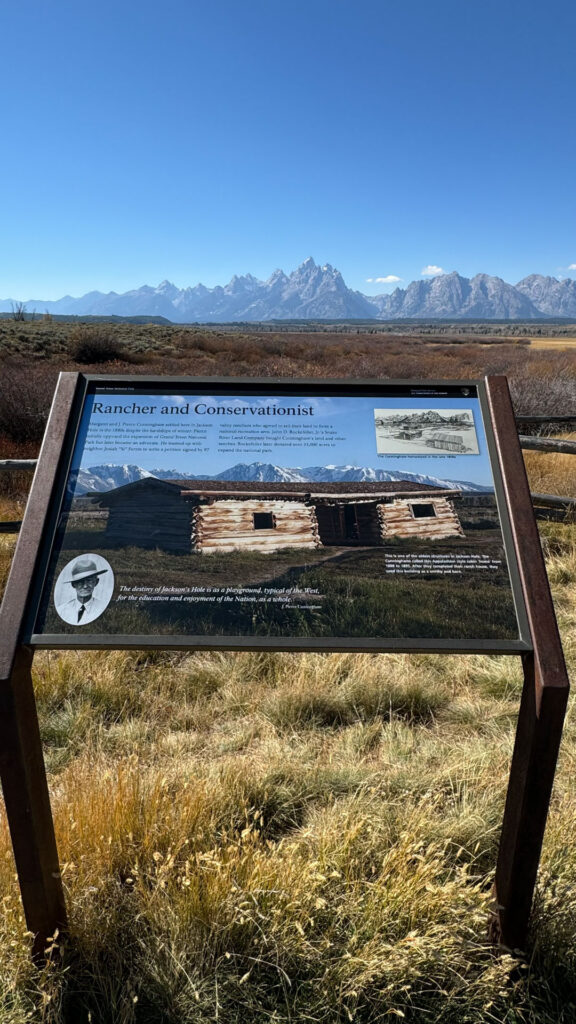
(541, 420)
(8, 527)
(547, 444)
(17, 465)
(527, 443)
(553, 501)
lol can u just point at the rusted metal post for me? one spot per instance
(27, 802)
(21, 762)
(544, 696)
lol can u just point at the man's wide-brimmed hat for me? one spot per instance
(84, 568)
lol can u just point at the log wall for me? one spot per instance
(158, 522)
(397, 519)
(228, 525)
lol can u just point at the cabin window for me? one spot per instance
(423, 511)
(263, 521)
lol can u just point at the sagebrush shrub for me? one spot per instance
(25, 397)
(95, 345)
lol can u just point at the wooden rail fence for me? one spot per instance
(541, 502)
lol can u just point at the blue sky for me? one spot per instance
(188, 434)
(191, 141)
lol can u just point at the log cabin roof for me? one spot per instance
(303, 487)
(451, 438)
(353, 490)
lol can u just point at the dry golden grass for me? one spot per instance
(218, 859)
(339, 870)
(552, 473)
(7, 545)
(550, 343)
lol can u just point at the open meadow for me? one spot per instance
(287, 837)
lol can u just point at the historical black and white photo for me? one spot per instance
(80, 592)
(425, 431)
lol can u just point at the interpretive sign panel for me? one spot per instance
(291, 515)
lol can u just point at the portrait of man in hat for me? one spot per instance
(75, 597)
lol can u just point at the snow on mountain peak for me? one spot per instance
(109, 476)
(320, 292)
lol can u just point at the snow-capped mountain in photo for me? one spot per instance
(108, 476)
(260, 471)
(98, 479)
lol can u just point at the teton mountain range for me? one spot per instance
(313, 292)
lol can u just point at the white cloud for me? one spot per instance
(572, 266)
(389, 279)
(431, 271)
(174, 399)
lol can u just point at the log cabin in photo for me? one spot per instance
(206, 516)
(448, 443)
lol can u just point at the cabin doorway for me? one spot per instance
(347, 523)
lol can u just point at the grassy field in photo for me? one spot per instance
(352, 595)
(292, 838)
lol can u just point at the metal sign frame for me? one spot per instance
(542, 705)
(314, 388)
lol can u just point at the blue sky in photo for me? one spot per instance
(192, 141)
(352, 418)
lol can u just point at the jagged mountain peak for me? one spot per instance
(276, 277)
(242, 284)
(167, 290)
(537, 279)
(551, 296)
(314, 291)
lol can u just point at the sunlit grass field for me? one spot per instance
(562, 343)
(553, 473)
(292, 837)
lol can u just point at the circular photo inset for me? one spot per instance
(83, 589)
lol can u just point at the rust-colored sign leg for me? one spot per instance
(28, 805)
(21, 762)
(544, 697)
(531, 777)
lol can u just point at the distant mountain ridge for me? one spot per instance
(313, 292)
(99, 479)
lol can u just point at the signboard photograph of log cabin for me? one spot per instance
(334, 516)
